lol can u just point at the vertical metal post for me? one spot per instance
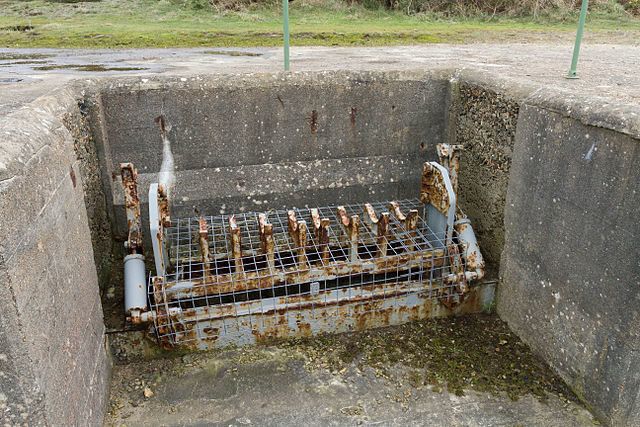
(285, 30)
(576, 48)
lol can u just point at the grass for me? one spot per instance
(166, 23)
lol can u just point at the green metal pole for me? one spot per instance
(576, 48)
(285, 30)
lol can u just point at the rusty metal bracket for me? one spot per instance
(159, 221)
(449, 156)
(437, 193)
(132, 206)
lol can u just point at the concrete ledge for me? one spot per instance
(48, 267)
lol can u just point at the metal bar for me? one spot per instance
(132, 206)
(204, 246)
(285, 31)
(576, 48)
(236, 245)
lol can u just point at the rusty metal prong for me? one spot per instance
(236, 244)
(302, 244)
(315, 217)
(410, 224)
(381, 232)
(395, 208)
(353, 238)
(268, 245)
(262, 221)
(323, 240)
(204, 246)
(344, 218)
(370, 218)
(292, 225)
(266, 238)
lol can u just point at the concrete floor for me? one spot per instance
(605, 70)
(271, 386)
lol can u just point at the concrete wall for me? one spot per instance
(246, 143)
(55, 370)
(483, 119)
(571, 267)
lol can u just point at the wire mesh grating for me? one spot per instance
(253, 273)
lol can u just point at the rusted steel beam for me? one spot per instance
(132, 207)
(204, 246)
(162, 321)
(163, 206)
(433, 189)
(450, 158)
(204, 327)
(236, 245)
(252, 280)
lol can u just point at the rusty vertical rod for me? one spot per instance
(411, 223)
(236, 244)
(383, 228)
(354, 227)
(204, 247)
(302, 243)
(323, 240)
(266, 237)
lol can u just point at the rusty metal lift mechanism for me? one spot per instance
(248, 277)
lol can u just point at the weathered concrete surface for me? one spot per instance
(570, 268)
(274, 386)
(58, 369)
(482, 118)
(274, 141)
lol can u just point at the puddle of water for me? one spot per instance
(231, 53)
(87, 67)
(24, 62)
(17, 56)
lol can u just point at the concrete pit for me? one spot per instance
(548, 179)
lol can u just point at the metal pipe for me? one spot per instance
(576, 48)
(285, 31)
(470, 250)
(135, 291)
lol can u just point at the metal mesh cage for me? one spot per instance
(248, 276)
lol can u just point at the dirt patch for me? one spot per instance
(476, 352)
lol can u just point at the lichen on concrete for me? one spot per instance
(485, 124)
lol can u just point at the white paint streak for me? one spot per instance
(166, 176)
